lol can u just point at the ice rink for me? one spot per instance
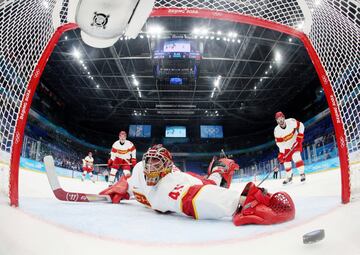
(44, 225)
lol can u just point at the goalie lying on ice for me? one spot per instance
(157, 184)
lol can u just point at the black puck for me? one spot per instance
(314, 236)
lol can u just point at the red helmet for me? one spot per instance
(279, 115)
(157, 163)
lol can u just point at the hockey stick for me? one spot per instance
(267, 176)
(291, 150)
(223, 152)
(68, 196)
(100, 164)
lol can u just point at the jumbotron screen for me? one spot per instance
(177, 49)
(175, 131)
(211, 131)
(177, 46)
(140, 131)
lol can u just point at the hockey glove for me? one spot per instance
(281, 158)
(299, 140)
(110, 162)
(226, 168)
(118, 191)
(133, 162)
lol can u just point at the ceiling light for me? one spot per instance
(155, 29)
(141, 36)
(204, 31)
(196, 31)
(290, 40)
(76, 54)
(97, 86)
(66, 37)
(232, 34)
(136, 82)
(278, 56)
(218, 33)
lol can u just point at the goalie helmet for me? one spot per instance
(157, 163)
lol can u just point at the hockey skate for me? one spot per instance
(302, 177)
(288, 179)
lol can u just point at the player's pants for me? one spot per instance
(299, 163)
(210, 202)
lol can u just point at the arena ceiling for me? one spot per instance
(260, 71)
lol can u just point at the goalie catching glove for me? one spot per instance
(263, 208)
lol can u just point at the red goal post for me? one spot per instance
(329, 30)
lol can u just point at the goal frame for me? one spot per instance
(191, 13)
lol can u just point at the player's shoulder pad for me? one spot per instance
(115, 143)
(291, 119)
(276, 129)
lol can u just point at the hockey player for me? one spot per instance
(289, 136)
(123, 155)
(154, 184)
(88, 167)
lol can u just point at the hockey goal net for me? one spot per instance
(329, 29)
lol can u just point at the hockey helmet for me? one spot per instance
(279, 115)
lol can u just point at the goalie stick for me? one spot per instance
(68, 196)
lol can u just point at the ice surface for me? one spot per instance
(44, 225)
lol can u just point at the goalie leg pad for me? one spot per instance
(263, 208)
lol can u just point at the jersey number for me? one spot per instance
(175, 193)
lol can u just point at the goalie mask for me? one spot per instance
(157, 163)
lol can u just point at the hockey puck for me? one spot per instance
(313, 236)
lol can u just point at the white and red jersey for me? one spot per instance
(173, 193)
(285, 138)
(88, 164)
(124, 151)
(88, 161)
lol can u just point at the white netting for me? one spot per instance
(26, 27)
(335, 35)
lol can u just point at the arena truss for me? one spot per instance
(329, 30)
